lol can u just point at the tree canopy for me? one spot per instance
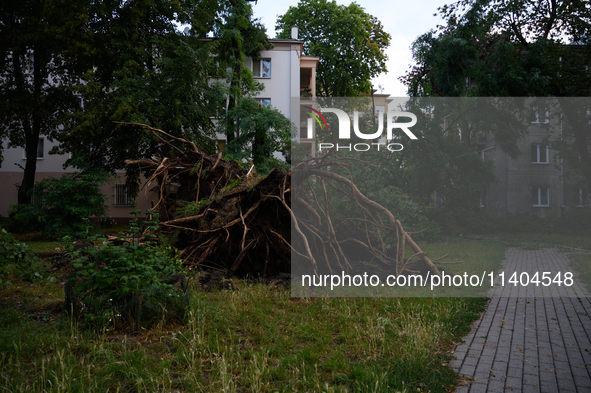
(350, 43)
(143, 70)
(71, 69)
(513, 48)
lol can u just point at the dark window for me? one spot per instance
(261, 68)
(539, 153)
(122, 196)
(540, 196)
(266, 102)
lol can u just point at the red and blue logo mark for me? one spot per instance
(314, 111)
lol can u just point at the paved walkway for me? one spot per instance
(530, 339)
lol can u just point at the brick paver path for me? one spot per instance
(530, 339)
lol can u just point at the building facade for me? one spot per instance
(538, 182)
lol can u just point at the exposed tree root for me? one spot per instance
(223, 217)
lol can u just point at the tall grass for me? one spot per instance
(254, 339)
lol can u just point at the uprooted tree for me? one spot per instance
(222, 216)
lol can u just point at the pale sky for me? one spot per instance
(403, 19)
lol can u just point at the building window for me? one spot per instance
(266, 102)
(540, 196)
(540, 115)
(261, 68)
(483, 201)
(122, 196)
(540, 153)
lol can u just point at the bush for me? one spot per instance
(575, 220)
(62, 206)
(126, 281)
(17, 254)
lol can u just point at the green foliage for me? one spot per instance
(232, 184)
(17, 254)
(143, 69)
(175, 95)
(263, 131)
(63, 206)
(273, 163)
(115, 279)
(350, 43)
(237, 35)
(188, 209)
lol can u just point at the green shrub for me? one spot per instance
(126, 281)
(62, 206)
(18, 255)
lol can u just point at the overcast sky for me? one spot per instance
(403, 19)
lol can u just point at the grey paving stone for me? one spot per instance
(530, 389)
(488, 352)
(471, 361)
(478, 388)
(562, 366)
(582, 382)
(481, 376)
(502, 356)
(533, 361)
(580, 371)
(486, 361)
(462, 389)
(548, 377)
(468, 370)
(455, 364)
(529, 379)
(513, 383)
(499, 366)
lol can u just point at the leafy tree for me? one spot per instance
(39, 61)
(238, 36)
(144, 71)
(252, 130)
(350, 43)
(513, 48)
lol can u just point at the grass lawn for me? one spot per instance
(536, 241)
(256, 338)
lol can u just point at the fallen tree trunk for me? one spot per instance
(223, 217)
